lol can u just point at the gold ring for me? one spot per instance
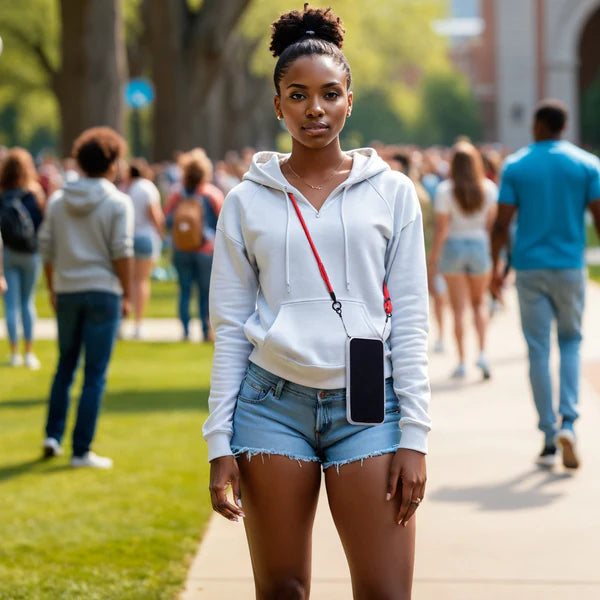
(417, 501)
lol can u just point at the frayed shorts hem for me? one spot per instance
(252, 452)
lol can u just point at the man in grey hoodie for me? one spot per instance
(86, 242)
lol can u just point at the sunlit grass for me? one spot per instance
(127, 533)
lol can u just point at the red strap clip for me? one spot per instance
(387, 301)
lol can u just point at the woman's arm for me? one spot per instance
(156, 216)
(232, 299)
(407, 283)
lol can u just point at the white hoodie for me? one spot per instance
(269, 304)
(87, 226)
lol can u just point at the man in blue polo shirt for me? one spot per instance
(549, 184)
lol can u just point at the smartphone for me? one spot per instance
(365, 381)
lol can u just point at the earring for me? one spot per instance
(348, 114)
(279, 117)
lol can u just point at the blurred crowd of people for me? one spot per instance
(98, 223)
(157, 189)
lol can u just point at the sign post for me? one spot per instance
(138, 93)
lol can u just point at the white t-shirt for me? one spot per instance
(460, 224)
(143, 194)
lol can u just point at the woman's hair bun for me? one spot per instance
(319, 23)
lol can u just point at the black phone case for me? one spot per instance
(365, 381)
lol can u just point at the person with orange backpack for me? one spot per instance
(192, 214)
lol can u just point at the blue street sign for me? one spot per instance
(139, 93)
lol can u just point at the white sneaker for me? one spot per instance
(90, 459)
(459, 372)
(438, 347)
(51, 448)
(16, 360)
(548, 458)
(565, 440)
(138, 333)
(482, 363)
(32, 362)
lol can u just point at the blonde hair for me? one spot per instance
(467, 175)
(196, 168)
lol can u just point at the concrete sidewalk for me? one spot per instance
(154, 330)
(493, 526)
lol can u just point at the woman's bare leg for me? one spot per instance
(478, 286)
(279, 497)
(439, 300)
(380, 552)
(457, 292)
(141, 287)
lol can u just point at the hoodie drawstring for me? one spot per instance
(346, 260)
(287, 243)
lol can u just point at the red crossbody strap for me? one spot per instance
(387, 302)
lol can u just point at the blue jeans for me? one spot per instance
(193, 269)
(545, 295)
(91, 320)
(21, 270)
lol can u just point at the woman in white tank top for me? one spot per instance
(465, 207)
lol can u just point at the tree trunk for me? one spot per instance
(239, 110)
(188, 51)
(91, 80)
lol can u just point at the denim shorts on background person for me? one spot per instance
(275, 416)
(470, 256)
(144, 246)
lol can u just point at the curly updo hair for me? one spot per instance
(314, 31)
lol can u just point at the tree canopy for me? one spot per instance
(405, 87)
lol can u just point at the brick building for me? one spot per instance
(530, 49)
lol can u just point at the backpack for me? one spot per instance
(16, 225)
(188, 224)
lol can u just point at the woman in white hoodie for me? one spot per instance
(277, 399)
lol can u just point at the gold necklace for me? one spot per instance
(315, 187)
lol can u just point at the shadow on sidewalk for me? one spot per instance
(521, 492)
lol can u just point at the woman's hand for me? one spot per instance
(408, 474)
(3, 285)
(496, 285)
(224, 472)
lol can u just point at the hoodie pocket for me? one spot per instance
(311, 334)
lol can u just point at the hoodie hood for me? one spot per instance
(83, 196)
(266, 171)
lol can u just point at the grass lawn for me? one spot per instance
(126, 533)
(162, 304)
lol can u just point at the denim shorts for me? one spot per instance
(144, 246)
(466, 256)
(275, 416)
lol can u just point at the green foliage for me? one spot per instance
(396, 59)
(30, 29)
(590, 113)
(128, 533)
(373, 118)
(448, 110)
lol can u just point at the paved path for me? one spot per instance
(492, 526)
(154, 330)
